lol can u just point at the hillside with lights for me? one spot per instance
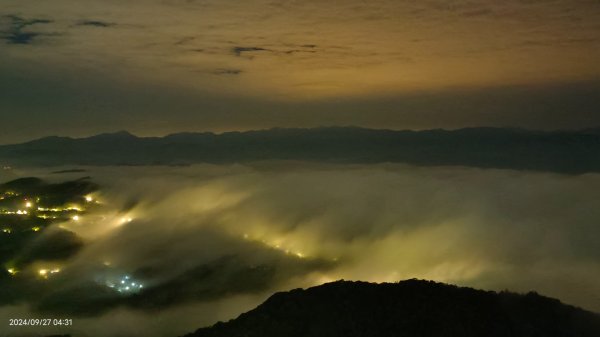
(36, 218)
(28, 207)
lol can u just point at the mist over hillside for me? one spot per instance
(559, 151)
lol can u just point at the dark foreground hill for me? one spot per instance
(408, 309)
(557, 151)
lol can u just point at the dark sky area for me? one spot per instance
(153, 67)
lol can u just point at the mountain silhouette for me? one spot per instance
(409, 308)
(570, 152)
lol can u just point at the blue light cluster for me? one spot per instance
(126, 285)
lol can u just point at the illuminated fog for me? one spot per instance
(204, 243)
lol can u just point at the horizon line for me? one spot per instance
(275, 128)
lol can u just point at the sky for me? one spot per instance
(209, 242)
(153, 67)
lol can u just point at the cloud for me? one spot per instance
(185, 40)
(16, 32)
(292, 51)
(186, 267)
(225, 71)
(278, 50)
(205, 233)
(237, 51)
(21, 38)
(95, 23)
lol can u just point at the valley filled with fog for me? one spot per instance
(169, 249)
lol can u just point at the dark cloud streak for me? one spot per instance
(96, 23)
(237, 51)
(16, 34)
(225, 71)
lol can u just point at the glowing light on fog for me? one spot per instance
(28, 204)
(43, 216)
(46, 272)
(76, 218)
(281, 247)
(89, 198)
(12, 271)
(126, 285)
(42, 209)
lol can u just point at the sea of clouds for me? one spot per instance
(209, 242)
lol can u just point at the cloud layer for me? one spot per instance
(227, 236)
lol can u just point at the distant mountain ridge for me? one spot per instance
(554, 151)
(411, 308)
